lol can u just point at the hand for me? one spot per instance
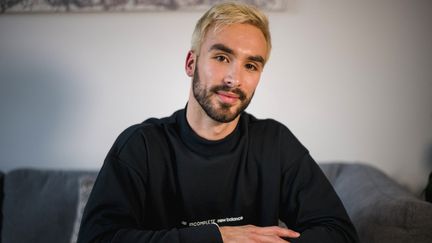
(254, 234)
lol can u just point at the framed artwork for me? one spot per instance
(40, 6)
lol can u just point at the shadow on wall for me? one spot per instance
(34, 99)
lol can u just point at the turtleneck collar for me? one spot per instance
(206, 147)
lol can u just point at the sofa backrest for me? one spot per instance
(40, 205)
(382, 210)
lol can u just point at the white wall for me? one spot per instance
(352, 79)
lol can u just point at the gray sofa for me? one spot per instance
(46, 205)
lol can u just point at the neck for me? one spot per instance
(205, 126)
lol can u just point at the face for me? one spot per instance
(227, 70)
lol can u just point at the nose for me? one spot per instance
(232, 79)
(230, 82)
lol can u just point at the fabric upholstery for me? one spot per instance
(381, 210)
(39, 206)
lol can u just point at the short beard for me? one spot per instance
(223, 113)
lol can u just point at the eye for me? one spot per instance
(251, 67)
(221, 58)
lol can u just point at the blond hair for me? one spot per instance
(230, 13)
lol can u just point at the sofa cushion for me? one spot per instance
(381, 210)
(39, 205)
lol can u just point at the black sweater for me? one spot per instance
(161, 182)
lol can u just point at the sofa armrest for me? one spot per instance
(381, 210)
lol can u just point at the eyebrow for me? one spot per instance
(221, 47)
(259, 59)
(224, 48)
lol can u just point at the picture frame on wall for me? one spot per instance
(47, 6)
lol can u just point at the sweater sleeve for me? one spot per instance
(117, 204)
(311, 206)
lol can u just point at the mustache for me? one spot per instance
(225, 88)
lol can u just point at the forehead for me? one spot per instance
(242, 38)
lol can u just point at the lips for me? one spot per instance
(227, 97)
(228, 94)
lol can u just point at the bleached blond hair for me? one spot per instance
(224, 14)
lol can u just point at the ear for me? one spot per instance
(190, 63)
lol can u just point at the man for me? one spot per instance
(211, 172)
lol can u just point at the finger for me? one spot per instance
(288, 233)
(279, 231)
